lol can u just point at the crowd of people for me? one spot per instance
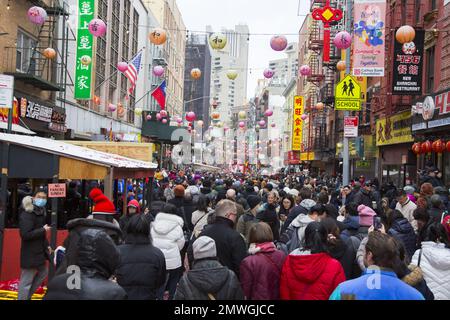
(207, 236)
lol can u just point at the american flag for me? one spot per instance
(133, 70)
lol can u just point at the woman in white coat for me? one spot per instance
(167, 234)
(434, 260)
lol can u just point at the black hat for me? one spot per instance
(253, 201)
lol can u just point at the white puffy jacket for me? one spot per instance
(435, 264)
(167, 235)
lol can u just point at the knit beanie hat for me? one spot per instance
(446, 224)
(204, 247)
(102, 205)
(179, 191)
(133, 203)
(253, 201)
(366, 215)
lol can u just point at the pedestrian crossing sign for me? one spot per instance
(348, 95)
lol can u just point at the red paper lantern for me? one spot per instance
(426, 147)
(438, 146)
(447, 146)
(416, 148)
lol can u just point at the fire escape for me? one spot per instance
(37, 70)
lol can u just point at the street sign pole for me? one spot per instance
(346, 153)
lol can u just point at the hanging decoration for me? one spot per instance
(122, 66)
(268, 113)
(438, 146)
(268, 73)
(49, 53)
(341, 66)
(97, 27)
(304, 117)
(232, 74)
(405, 34)
(120, 110)
(342, 40)
(305, 70)
(214, 104)
(164, 121)
(190, 116)
(320, 106)
(447, 146)
(278, 43)
(158, 116)
(417, 148)
(96, 100)
(158, 71)
(426, 147)
(138, 111)
(149, 117)
(196, 73)
(218, 41)
(158, 36)
(111, 108)
(215, 116)
(163, 113)
(262, 123)
(85, 60)
(327, 15)
(37, 15)
(273, 125)
(241, 124)
(242, 115)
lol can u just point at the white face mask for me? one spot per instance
(132, 210)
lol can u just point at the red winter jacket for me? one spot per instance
(310, 277)
(260, 272)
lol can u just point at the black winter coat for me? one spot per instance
(188, 208)
(76, 227)
(209, 277)
(142, 269)
(230, 245)
(363, 197)
(402, 230)
(97, 258)
(34, 249)
(345, 253)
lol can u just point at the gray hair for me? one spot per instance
(231, 194)
(224, 207)
(187, 194)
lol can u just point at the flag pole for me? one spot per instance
(114, 73)
(148, 92)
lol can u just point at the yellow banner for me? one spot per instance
(307, 156)
(297, 124)
(395, 129)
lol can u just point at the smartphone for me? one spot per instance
(376, 223)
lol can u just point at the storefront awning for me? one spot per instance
(75, 152)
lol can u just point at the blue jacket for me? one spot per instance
(403, 231)
(376, 284)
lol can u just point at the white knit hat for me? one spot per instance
(204, 247)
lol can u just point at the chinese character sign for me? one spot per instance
(369, 38)
(85, 43)
(408, 62)
(297, 125)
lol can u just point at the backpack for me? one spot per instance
(290, 240)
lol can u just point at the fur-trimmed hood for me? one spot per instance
(27, 204)
(414, 277)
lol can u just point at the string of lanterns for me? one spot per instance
(426, 147)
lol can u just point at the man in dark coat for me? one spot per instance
(231, 247)
(35, 249)
(142, 269)
(364, 196)
(96, 260)
(269, 215)
(208, 279)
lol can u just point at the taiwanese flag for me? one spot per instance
(160, 95)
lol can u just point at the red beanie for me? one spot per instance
(102, 205)
(446, 224)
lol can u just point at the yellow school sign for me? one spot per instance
(348, 95)
(297, 124)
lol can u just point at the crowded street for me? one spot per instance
(193, 150)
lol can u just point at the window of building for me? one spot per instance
(135, 32)
(430, 70)
(433, 5)
(25, 61)
(101, 47)
(114, 48)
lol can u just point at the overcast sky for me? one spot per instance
(262, 16)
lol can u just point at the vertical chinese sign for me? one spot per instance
(297, 125)
(369, 38)
(408, 62)
(85, 45)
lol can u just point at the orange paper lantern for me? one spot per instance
(158, 36)
(341, 65)
(405, 34)
(49, 53)
(426, 147)
(196, 73)
(438, 146)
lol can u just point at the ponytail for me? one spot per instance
(316, 238)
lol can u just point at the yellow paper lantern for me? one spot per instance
(218, 41)
(232, 74)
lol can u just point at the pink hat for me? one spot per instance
(366, 215)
